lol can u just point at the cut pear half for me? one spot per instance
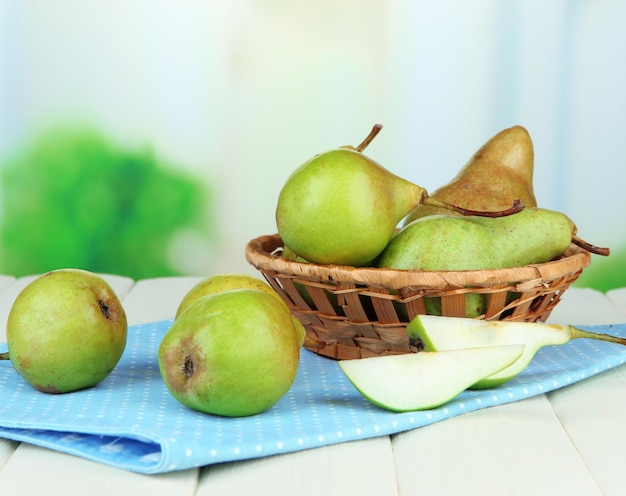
(439, 333)
(425, 380)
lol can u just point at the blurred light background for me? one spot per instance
(225, 99)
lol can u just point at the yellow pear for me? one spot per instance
(499, 173)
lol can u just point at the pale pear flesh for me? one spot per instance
(450, 333)
(425, 380)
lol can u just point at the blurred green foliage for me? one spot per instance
(72, 198)
(605, 273)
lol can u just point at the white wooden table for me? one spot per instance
(571, 441)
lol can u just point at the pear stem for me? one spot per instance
(576, 333)
(375, 130)
(517, 206)
(4, 356)
(589, 247)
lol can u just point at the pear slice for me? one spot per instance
(425, 380)
(439, 333)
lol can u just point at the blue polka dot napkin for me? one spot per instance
(130, 420)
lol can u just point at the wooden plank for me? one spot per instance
(514, 449)
(6, 281)
(618, 298)
(585, 306)
(361, 468)
(592, 412)
(37, 471)
(157, 299)
(6, 450)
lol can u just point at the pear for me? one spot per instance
(449, 333)
(234, 353)
(475, 305)
(425, 380)
(223, 282)
(289, 254)
(448, 242)
(66, 331)
(499, 173)
(342, 207)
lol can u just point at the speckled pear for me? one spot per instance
(448, 242)
(66, 331)
(499, 173)
(233, 353)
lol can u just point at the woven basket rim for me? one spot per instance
(261, 253)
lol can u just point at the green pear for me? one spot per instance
(66, 331)
(499, 173)
(289, 254)
(475, 305)
(223, 282)
(425, 380)
(342, 207)
(449, 333)
(448, 242)
(233, 353)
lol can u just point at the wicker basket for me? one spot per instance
(363, 312)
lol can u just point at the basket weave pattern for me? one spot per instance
(363, 312)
